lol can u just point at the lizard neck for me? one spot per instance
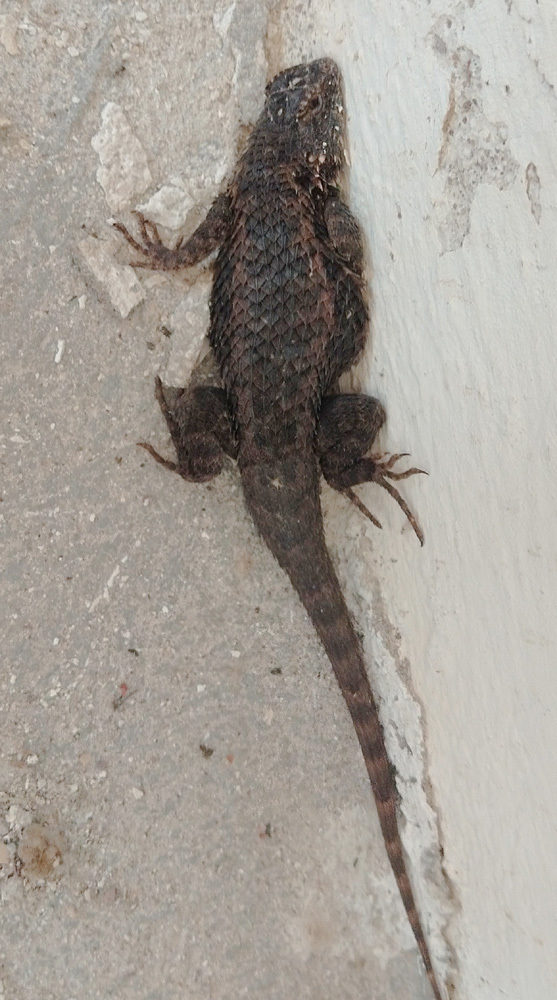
(273, 157)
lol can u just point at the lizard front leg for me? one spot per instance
(348, 426)
(200, 427)
(344, 233)
(207, 237)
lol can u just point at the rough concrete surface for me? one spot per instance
(183, 807)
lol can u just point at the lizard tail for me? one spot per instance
(283, 499)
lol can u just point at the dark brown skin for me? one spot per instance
(288, 317)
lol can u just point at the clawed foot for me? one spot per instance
(385, 465)
(156, 255)
(384, 472)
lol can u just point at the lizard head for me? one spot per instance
(304, 107)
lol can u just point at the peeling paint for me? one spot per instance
(473, 149)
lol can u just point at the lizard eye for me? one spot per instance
(314, 104)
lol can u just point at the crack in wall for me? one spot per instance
(533, 191)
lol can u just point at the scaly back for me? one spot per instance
(287, 314)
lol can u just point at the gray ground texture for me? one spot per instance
(184, 811)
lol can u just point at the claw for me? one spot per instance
(158, 458)
(404, 475)
(362, 507)
(388, 464)
(128, 236)
(149, 231)
(402, 504)
(150, 227)
(162, 401)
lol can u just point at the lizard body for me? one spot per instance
(288, 317)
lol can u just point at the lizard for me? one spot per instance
(288, 316)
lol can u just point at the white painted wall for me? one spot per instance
(453, 140)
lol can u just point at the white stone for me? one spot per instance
(124, 172)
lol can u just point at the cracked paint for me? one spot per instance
(473, 149)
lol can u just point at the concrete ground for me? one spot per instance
(184, 812)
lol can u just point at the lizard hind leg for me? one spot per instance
(201, 430)
(348, 426)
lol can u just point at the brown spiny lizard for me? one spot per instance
(288, 317)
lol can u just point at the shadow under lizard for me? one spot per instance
(288, 316)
